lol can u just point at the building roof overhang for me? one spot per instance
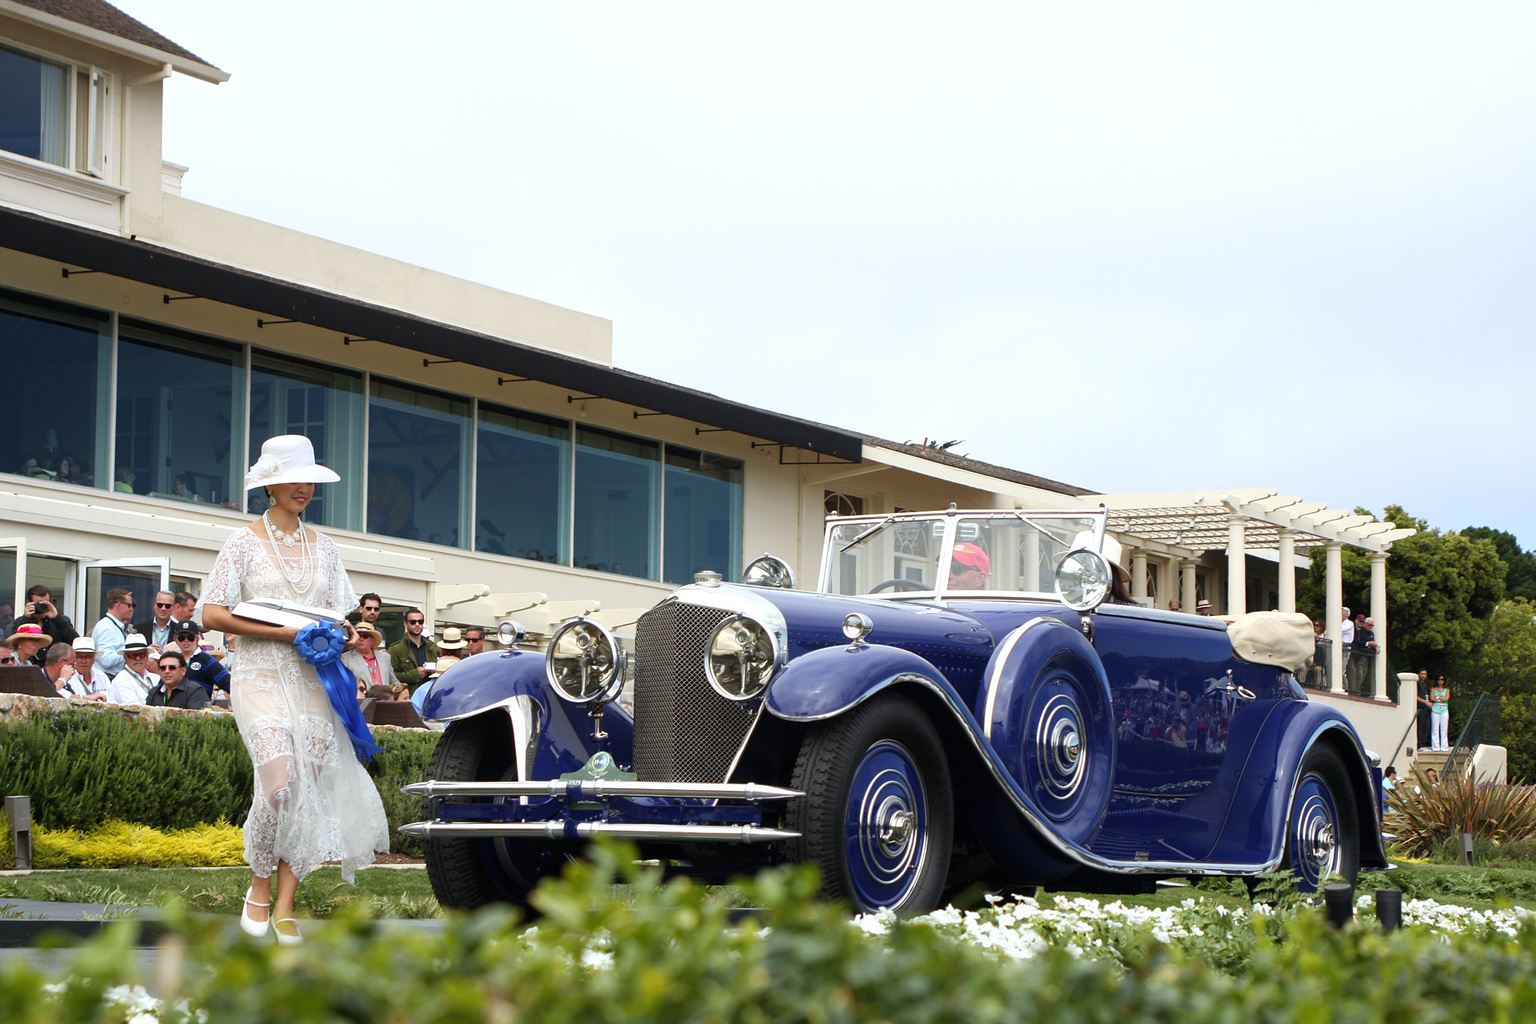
(1192, 522)
(103, 25)
(145, 263)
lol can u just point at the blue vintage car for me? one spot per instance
(967, 698)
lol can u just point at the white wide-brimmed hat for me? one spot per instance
(287, 459)
(452, 639)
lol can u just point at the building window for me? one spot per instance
(418, 446)
(703, 515)
(522, 485)
(617, 503)
(180, 405)
(54, 112)
(56, 430)
(289, 396)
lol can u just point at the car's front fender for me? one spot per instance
(485, 681)
(828, 682)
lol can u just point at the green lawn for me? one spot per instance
(391, 893)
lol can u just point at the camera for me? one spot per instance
(42, 608)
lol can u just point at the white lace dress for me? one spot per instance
(313, 801)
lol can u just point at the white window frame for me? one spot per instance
(89, 93)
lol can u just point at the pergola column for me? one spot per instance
(1287, 570)
(1034, 579)
(1379, 614)
(1333, 604)
(1139, 575)
(1237, 565)
(1187, 585)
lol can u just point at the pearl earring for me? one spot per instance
(271, 500)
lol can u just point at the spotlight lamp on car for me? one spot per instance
(511, 633)
(1082, 579)
(769, 571)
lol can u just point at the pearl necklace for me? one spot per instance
(301, 578)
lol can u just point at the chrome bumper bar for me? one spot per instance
(598, 788)
(591, 829)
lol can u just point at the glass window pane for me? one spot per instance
(45, 431)
(617, 503)
(418, 442)
(33, 106)
(289, 396)
(180, 399)
(522, 481)
(703, 515)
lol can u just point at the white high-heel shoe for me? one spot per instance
(255, 929)
(283, 938)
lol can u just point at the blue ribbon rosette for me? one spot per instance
(321, 644)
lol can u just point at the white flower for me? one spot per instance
(260, 470)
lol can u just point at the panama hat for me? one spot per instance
(84, 645)
(135, 642)
(287, 459)
(451, 640)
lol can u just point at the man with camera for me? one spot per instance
(41, 611)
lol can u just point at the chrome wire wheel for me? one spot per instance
(1323, 831)
(877, 817)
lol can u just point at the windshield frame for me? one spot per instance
(876, 522)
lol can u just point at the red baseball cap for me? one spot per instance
(970, 554)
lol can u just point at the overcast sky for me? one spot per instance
(1133, 247)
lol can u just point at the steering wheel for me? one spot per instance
(899, 583)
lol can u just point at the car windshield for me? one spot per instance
(1008, 552)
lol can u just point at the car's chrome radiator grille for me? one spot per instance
(684, 730)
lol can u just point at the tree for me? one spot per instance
(1505, 663)
(1520, 581)
(1440, 589)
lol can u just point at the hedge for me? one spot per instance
(84, 767)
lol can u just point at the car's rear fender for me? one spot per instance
(1255, 829)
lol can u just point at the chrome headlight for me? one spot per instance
(584, 663)
(769, 571)
(1083, 579)
(742, 658)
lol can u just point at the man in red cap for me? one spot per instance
(969, 567)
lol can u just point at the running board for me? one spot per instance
(592, 829)
(597, 788)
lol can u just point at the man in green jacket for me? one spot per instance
(409, 654)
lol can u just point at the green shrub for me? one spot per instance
(403, 760)
(119, 844)
(1424, 821)
(85, 767)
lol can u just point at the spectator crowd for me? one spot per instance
(159, 659)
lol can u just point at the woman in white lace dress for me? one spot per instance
(313, 800)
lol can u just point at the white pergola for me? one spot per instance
(1186, 524)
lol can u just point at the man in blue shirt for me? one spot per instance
(111, 632)
(202, 668)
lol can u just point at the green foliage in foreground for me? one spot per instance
(675, 954)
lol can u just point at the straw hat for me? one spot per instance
(287, 459)
(452, 640)
(28, 631)
(84, 645)
(135, 642)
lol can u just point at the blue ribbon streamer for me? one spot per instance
(321, 644)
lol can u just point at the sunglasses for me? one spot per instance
(415, 622)
(159, 605)
(169, 666)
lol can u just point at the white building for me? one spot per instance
(492, 456)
